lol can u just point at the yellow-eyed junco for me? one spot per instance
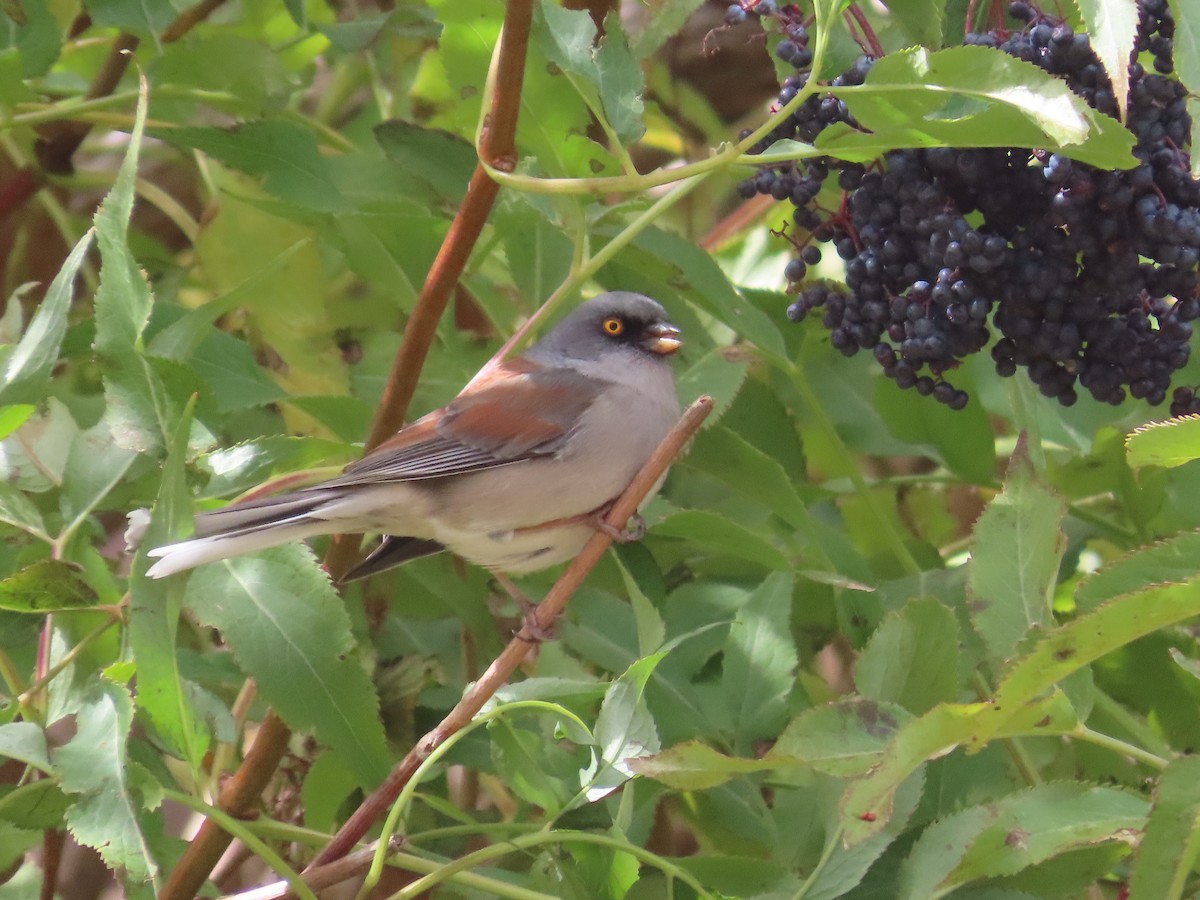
(510, 475)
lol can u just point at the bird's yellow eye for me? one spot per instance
(613, 326)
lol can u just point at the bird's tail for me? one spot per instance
(244, 528)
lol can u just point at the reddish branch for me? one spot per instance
(545, 616)
(499, 147)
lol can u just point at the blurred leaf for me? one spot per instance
(1015, 554)
(659, 20)
(961, 438)
(1170, 443)
(108, 813)
(39, 39)
(1112, 25)
(719, 534)
(1186, 44)
(288, 630)
(284, 154)
(27, 369)
(921, 20)
(47, 586)
(441, 159)
(1166, 855)
(758, 672)
(236, 379)
(625, 730)
(912, 659)
(144, 19)
(25, 742)
(18, 511)
(693, 766)
(38, 805)
(843, 738)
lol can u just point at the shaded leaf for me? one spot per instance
(1111, 26)
(843, 738)
(1015, 554)
(693, 766)
(50, 585)
(288, 630)
(912, 659)
(1166, 855)
(26, 742)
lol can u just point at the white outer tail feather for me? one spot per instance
(174, 558)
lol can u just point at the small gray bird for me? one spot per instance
(511, 475)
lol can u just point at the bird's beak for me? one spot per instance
(662, 337)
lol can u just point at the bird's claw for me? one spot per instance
(634, 530)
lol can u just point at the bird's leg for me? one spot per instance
(634, 530)
(536, 632)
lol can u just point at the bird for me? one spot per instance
(513, 475)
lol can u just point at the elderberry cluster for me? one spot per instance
(1088, 277)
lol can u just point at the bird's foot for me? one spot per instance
(634, 530)
(532, 631)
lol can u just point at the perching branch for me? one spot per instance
(545, 615)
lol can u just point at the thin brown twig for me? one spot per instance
(52, 848)
(868, 32)
(542, 621)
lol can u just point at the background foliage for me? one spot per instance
(870, 647)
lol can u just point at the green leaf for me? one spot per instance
(39, 39)
(289, 631)
(123, 299)
(27, 369)
(693, 766)
(25, 742)
(96, 464)
(975, 97)
(1017, 832)
(760, 660)
(748, 470)
(1170, 845)
(283, 154)
(17, 510)
(605, 74)
(1015, 554)
(1186, 45)
(963, 438)
(38, 805)
(154, 620)
(108, 813)
(442, 160)
(1112, 27)
(843, 738)
(1044, 821)
(1173, 561)
(715, 374)
(1170, 443)
(230, 369)
(50, 585)
(718, 533)
(912, 659)
(920, 20)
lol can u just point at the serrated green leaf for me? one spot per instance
(288, 630)
(760, 662)
(625, 729)
(975, 97)
(1173, 561)
(660, 19)
(1170, 845)
(1015, 554)
(107, 813)
(843, 738)
(97, 463)
(717, 375)
(233, 374)
(27, 369)
(50, 585)
(1029, 827)
(1112, 27)
(1170, 443)
(441, 159)
(912, 659)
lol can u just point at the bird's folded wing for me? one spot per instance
(519, 414)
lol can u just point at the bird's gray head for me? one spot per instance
(628, 322)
